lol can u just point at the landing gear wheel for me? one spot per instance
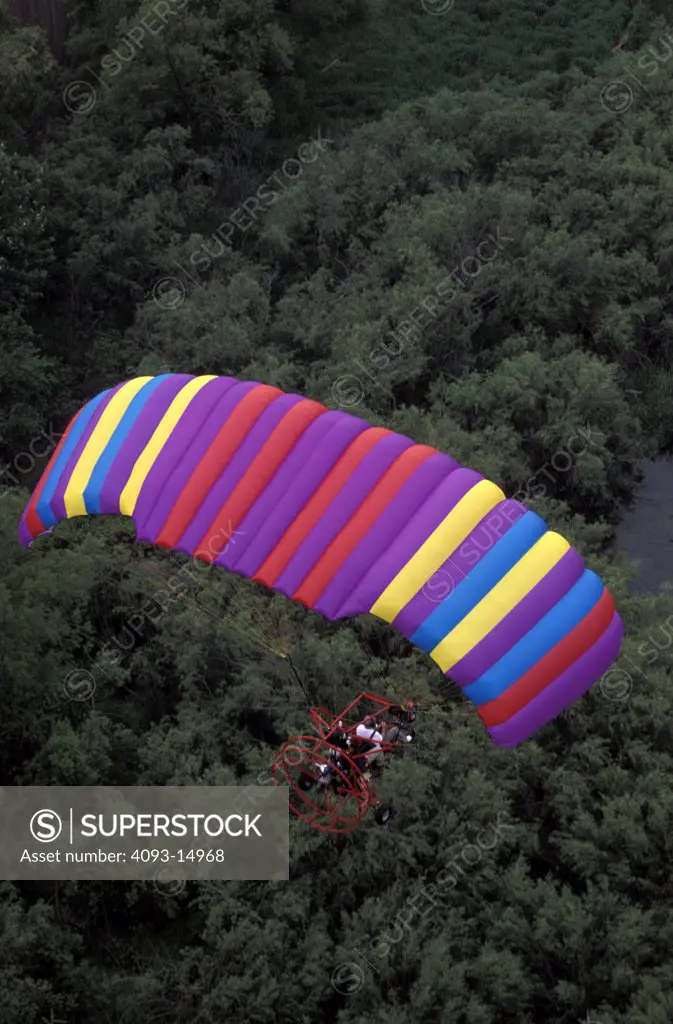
(383, 814)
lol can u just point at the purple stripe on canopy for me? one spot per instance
(482, 538)
(526, 614)
(234, 472)
(295, 483)
(180, 455)
(382, 533)
(25, 536)
(343, 507)
(568, 687)
(412, 537)
(57, 503)
(134, 443)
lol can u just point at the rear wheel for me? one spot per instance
(383, 814)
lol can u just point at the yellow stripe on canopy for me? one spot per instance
(146, 459)
(105, 428)
(501, 600)
(441, 543)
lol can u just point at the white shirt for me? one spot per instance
(365, 733)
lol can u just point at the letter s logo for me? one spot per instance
(45, 826)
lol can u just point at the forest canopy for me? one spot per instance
(452, 221)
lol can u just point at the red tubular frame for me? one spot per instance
(326, 727)
(361, 790)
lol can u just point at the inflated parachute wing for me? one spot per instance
(346, 518)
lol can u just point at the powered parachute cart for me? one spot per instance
(332, 775)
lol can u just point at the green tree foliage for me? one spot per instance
(478, 255)
(28, 77)
(26, 256)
